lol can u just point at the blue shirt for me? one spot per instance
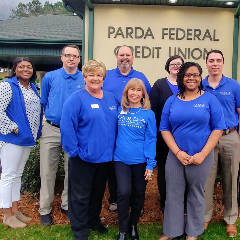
(89, 126)
(192, 122)
(115, 81)
(56, 87)
(174, 88)
(136, 139)
(228, 94)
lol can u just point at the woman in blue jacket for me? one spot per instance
(20, 126)
(191, 124)
(134, 156)
(88, 133)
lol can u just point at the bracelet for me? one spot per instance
(178, 151)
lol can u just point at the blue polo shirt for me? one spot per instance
(56, 87)
(228, 94)
(115, 82)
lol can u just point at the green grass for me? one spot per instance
(152, 231)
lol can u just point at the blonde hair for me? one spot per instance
(144, 101)
(93, 65)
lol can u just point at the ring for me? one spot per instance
(149, 174)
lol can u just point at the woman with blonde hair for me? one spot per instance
(134, 155)
(88, 131)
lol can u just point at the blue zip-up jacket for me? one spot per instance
(89, 126)
(16, 111)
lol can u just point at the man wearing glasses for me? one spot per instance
(227, 151)
(56, 87)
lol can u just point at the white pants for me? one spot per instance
(13, 160)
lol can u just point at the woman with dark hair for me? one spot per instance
(162, 89)
(20, 126)
(134, 155)
(191, 124)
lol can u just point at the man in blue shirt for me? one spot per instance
(56, 87)
(115, 82)
(227, 151)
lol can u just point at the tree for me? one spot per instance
(35, 8)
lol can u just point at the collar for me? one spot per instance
(67, 76)
(119, 74)
(221, 83)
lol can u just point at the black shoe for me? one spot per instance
(122, 236)
(100, 229)
(46, 220)
(133, 232)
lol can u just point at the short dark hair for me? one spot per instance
(181, 74)
(214, 51)
(71, 46)
(17, 61)
(118, 47)
(170, 59)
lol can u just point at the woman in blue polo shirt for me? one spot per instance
(20, 125)
(191, 124)
(134, 156)
(88, 133)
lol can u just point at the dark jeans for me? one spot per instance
(131, 187)
(86, 186)
(112, 183)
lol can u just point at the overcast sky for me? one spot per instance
(6, 5)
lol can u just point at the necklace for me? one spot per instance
(136, 111)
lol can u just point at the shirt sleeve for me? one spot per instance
(69, 124)
(237, 95)
(147, 85)
(217, 121)
(165, 124)
(150, 141)
(45, 88)
(6, 125)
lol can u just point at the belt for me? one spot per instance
(227, 131)
(53, 124)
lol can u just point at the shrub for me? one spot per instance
(31, 176)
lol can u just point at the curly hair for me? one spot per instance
(93, 65)
(181, 74)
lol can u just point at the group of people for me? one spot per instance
(114, 127)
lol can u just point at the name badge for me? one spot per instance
(123, 112)
(94, 105)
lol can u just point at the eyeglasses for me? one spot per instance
(175, 64)
(70, 56)
(195, 75)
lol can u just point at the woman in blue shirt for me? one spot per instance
(134, 155)
(191, 125)
(88, 133)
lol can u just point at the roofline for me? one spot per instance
(39, 41)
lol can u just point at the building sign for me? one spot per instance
(165, 34)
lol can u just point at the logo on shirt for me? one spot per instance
(112, 108)
(80, 86)
(131, 121)
(199, 105)
(225, 93)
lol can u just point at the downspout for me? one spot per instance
(90, 29)
(235, 42)
(82, 16)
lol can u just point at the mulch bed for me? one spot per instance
(29, 206)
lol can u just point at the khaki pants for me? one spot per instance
(50, 148)
(227, 152)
